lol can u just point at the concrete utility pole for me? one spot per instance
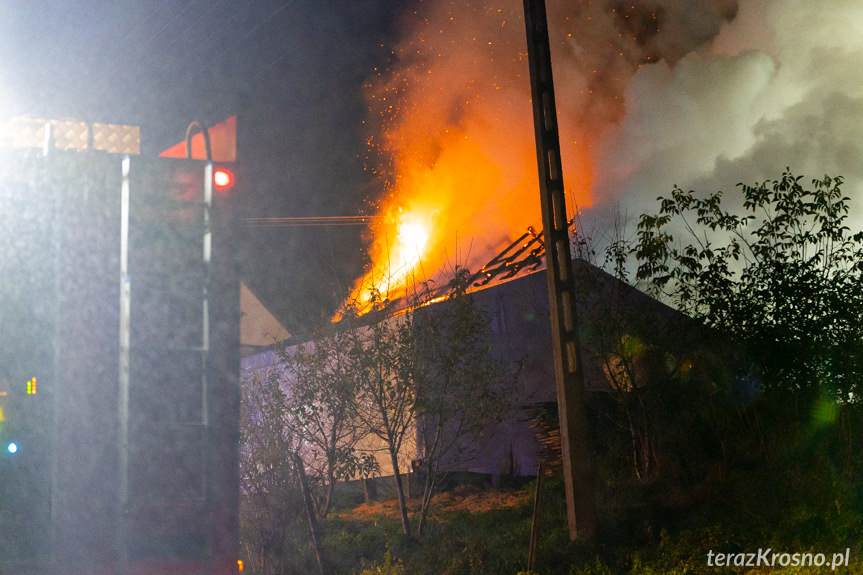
(578, 477)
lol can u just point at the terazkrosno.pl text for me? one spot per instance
(770, 558)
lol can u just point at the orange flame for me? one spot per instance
(454, 148)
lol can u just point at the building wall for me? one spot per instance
(521, 332)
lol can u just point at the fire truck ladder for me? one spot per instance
(164, 453)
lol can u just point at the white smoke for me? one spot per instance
(781, 85)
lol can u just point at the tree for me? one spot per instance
(640, 346)
(383, 356)
(780, 277)
(321, 403)
(461, 387)
(270, 505)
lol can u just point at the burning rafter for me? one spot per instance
(527, 253)
(507, 262)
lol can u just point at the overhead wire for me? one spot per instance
(310, 221)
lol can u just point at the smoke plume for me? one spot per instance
(699, 93)
(779, 86)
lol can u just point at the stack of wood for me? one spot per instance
(543, 419)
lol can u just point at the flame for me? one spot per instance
(413, 231)
(451, 127)
(412, 239)
(462, 207)
(452, 143)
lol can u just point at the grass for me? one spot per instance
(650, 538)
(804, 497)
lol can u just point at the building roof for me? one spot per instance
(259, 329)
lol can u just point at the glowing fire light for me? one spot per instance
(412, 240)
(404, 254)
(451, 143)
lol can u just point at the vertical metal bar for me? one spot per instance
(207, 257)
(208, 457)
(48, 140)
(578, 477)
(60, 380)
(125, 340)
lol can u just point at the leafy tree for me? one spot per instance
(461, 387)
(640, 348)
(780, 276)
(383, 356)
(321, 404)
(270, 503)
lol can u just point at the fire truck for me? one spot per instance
(119, 354)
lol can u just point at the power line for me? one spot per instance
(310, 221)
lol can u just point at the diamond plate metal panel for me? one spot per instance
(29, 132)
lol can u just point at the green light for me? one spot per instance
(12, 447)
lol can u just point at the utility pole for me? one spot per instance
(578, 476)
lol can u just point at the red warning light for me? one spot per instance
(223, 179)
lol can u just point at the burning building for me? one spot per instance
(628, 341)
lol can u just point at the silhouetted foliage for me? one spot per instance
(272, 528)
(779, 275)
(321, 394)
(642, 351)
(383, 356)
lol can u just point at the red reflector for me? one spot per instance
(223, 178)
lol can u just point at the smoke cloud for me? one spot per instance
(702, 94)
(779, 86)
